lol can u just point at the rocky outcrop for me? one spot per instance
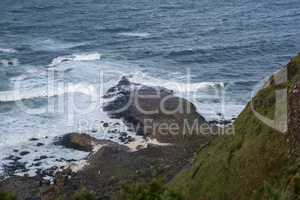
(153, 111)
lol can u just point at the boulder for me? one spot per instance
(24, 153)
(153, 111)
(81, 142)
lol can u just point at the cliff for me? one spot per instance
(261, 160)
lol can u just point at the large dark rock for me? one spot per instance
(153, 111)
(82, 142)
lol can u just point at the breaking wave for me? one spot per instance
(16, 95)
(7, 50)
(75, 57)
(175, 85)
(41, 44)
(134, 34)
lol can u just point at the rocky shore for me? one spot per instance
(258, 161)
(111, 165)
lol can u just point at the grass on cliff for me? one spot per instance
(83, 194)
(254, 163)
(7, 196)
(155, 190)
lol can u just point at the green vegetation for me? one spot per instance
(273, 194)
(7, 196)
(239, 166)
(83, 194)
(154, 190)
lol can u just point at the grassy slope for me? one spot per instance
(245, 165)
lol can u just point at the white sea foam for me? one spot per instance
(10, 62)
(16, 95)
(75, 57)
(55, 153)
(134, 34)
(175, 85)
(7, 50)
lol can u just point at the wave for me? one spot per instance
(42, 7)
(186, 52)
(211, 109)
(134, 34)
(115, 29)
(11, 62)
(246, 83)
(177, 86)
(41, 44)
(8, 50)
(75, 57)
(17, 95)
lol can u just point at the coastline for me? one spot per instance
(180, 162)
(138, 155)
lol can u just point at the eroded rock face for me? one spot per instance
(153, 111)
(82, 142)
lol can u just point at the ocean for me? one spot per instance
(57, 59)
